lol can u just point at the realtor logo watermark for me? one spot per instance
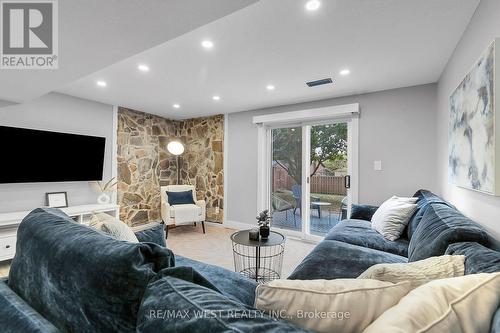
(29, 38)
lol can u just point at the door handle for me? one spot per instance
(347, 181)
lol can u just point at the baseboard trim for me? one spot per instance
(233, 225)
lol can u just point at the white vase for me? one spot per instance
(103, 199)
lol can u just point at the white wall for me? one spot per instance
(60, 113)
(483, 28)
(396, 127)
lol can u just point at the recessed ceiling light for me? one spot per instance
(216, 98)
(312, 5)
(143, 68)
(270, 87)
(101, 83)
(345, 72)
(208, 44)
(176, 106)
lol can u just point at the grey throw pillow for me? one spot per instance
(113, 227)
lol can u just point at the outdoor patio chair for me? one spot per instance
(297, 195)
(281, 205)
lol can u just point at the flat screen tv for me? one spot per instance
(32, 156)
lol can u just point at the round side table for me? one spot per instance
(260, 260)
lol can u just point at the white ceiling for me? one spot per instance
(94, 34)
(385, 43)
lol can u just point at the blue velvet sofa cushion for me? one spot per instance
(154, 234)
(495, 323)
(80, 279)
(333, 259)
(441, 226)
(362, 212)
(231, 284)
(425, 198)
(478, 259)
(180, 198)
(359, 232)
(17, 316)
(173, 304)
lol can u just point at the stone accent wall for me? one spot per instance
(202, 163)
(144, 164)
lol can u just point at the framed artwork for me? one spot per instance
(56, 199)
(473, 143)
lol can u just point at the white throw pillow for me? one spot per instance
(113, 227)
(342, 305)
(417, 272)
(462, 304)
(391, 218)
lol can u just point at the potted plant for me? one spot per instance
(264, 220)
(105, 189)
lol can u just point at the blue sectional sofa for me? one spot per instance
(70, 278)
(436, 228)
(67, 277)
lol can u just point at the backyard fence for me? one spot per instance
(319, 184)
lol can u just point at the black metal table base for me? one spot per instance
(260, 260)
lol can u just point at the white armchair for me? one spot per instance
(182, 214)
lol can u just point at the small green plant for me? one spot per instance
(263, 219)
(102, 187)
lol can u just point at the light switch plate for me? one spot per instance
(377, 165)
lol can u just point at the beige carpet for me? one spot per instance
(215, 247)
(4, 268)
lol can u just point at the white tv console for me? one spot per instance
(9, 222)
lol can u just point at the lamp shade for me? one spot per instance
(175, 147)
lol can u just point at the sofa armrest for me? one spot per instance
(363, 212)
(17, 316)
(203, 205)
(152, 233)
(165, 212)
(495, 323)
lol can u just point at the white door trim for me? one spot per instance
(318, 114)
(343, 113)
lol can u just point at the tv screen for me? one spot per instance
(31, 156)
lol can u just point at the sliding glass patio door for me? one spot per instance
(310, 176)
(286, 177)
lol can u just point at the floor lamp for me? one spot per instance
(176, 148)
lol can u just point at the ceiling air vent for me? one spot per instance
(319, 82)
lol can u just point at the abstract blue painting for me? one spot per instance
(472, 127)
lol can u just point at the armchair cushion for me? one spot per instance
(180, 198)
(186, 213)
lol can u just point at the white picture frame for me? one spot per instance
(56, 199)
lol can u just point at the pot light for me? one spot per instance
(345, 72)
(143, 68)
(270, 87)
(176, 106)
(101, 83)
(216, 98)
(208, 44)
(312, 5)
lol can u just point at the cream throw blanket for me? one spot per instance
(184, 214)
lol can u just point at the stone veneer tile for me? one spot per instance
(144, 164)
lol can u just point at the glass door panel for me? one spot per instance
(286, 178)
(328, 169)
